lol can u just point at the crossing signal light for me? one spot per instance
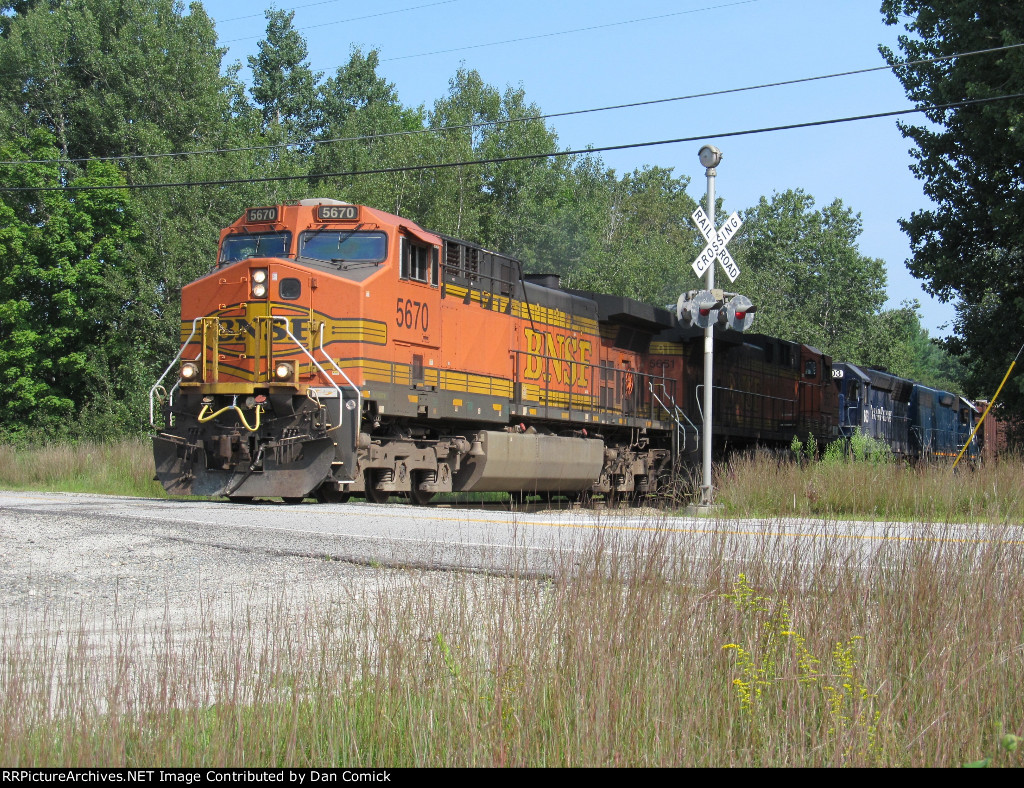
(704, 309)
(738, 313)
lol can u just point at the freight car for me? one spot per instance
(336, 349)
(996, 432)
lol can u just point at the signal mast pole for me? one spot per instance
(710, 157)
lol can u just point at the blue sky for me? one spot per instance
(652, 49)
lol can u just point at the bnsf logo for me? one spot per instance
(233, 327)
(568, 358)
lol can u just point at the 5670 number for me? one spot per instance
(412, 314)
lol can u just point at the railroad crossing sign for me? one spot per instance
(716, 244)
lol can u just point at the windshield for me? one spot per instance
(344, 246)
(242, 247)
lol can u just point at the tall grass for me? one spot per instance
(762, 485)
(122, 468)
(678, 651)
(756, 485)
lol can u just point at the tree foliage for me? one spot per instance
(645, 241)
(803, 268)
(91, 281)
(283, 84)
(60, 261)
(969, 245)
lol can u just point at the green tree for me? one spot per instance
(646, 241)
(803, 269)
(111, 78)
(283, 84)
(365, 127)
(541, 210)
(117, 78)
(969, 245)
(451, 200)
(899, 343)
(58, 315)
(10, 9)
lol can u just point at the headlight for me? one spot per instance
(284, 370)
(259, 290)
(259, 275)
(189, 371)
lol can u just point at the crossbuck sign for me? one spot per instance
(716, 244)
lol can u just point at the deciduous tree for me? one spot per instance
(803, 269)
(968, 246)
(59, 257)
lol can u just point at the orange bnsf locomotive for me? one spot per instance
(336, 349)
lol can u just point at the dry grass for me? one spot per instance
(124, 468)
(632, 659)
(682, 651)
(761, 485)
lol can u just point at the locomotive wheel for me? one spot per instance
(421, 498)
(291, 500)
(332, 496)
(418, 496)
(240, 498)
(373, 495)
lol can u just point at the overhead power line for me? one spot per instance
(568, 32)
(263, 13)
(509, 41)
(524, 119)
(525, 157)
(355, 19)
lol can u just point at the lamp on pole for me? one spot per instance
(710, 157)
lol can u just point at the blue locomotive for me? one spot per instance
(915, 421)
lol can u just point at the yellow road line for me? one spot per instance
(707, 531)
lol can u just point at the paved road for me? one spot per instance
(73, 563)
(49, 535)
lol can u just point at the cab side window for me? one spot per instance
(419, 263)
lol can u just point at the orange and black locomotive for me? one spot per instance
(336, 349)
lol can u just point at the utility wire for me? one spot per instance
(263, 13)
(567, 32)
(524, 119)
(525, 157)
(357, 19)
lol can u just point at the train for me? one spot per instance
(335, 350)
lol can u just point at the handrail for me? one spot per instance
(699, 388)
(359, 394)
(174, 361)
(573, 393)
(300, 346)
(675, 413)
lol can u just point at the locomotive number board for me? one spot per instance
(259, 215)
(337, 213)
